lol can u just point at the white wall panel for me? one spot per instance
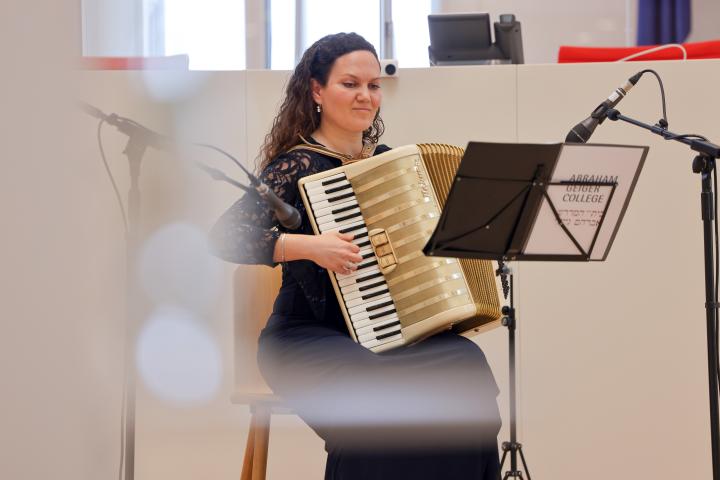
(612, 354)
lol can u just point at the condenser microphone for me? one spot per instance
(582, 132)
(129, 127)
(287, 215)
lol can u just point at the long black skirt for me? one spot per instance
(427, 411)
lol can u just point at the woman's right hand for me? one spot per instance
(335, 251)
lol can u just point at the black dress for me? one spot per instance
(426, 411)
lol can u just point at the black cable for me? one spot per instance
(123, 406)
(112, 179)
(716, 335)
(685, 135)
(253, 179)
(664, 122)
(123, 416)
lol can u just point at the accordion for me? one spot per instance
(391, 203)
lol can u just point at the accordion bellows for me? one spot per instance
(391, 203)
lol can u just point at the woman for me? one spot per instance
(424, 411)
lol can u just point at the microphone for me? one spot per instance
(130, 127)
(286, 214)
(582, 132)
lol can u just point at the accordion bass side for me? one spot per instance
(391, 203)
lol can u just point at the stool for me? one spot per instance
(255, 288)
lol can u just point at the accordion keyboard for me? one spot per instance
(365, 292)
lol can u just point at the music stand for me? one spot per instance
(551, 202)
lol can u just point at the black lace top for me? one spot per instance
(246, 233)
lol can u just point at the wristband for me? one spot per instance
(282, 247)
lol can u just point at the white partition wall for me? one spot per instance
(614, 366)
(613, 379)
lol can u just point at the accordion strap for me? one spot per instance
(367, 151)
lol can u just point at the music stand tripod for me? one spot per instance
(508, 321)
(510, 202)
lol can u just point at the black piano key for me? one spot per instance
(364, 244)
(368, 287)
(379, 306)
(389, 325)
(369, 277)
(352, 229)
(366, 265)
(348, 217)
(341, 197)
(361, 235)
(332, 180)
(343, 209)
(368, 255)
(375, 294)
(381, 314)
(386, 335)
(338, 189)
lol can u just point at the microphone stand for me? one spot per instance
(134, 150)
(139, 139)
(704, 163)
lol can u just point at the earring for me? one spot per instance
(319, 109)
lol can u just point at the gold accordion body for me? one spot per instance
(391, 203)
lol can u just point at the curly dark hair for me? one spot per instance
(298, 116)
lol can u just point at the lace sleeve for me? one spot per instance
(246, 233)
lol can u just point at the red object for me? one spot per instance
(695, 51)
(173, 62)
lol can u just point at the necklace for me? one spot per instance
(324, 141)
(368, 150)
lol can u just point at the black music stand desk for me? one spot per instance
(537, 201)
(552, 202)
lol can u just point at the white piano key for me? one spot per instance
(356, 298)
(379, 323)
(390, 313)
(333, 200)
(376, 343)
(332, 222)
(374, 335)
(351, 202)
(362, 319)
(358, 222)
(325, 193)
(360, 233)
(351, 279)
(376, 301)
(355, 291)
(355, 287)
(336, 211)
(363, 267)
(319, 183)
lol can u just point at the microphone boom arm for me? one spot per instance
(697, 143)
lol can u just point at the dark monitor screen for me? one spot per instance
(465, 39)
(461, 31)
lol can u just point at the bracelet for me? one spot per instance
(282, 247)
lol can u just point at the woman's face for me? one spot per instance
(352, 96)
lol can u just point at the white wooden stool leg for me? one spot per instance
(247, 467)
